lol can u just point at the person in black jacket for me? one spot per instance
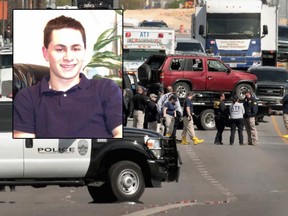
(151, 113)
(284, 101)
(251, 109)
(140, 101)
(127, 104)
(221, 117)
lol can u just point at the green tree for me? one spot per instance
(107, 59)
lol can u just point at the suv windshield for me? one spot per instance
(139, 54)
(271, 76)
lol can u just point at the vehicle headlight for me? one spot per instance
(154, 145)
(256, 54)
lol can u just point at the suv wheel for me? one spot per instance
(241, 88)
(181, 89)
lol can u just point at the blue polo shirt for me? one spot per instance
(90, 109)
(170, 108)
(187, 103)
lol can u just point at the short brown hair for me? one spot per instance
(60, 23)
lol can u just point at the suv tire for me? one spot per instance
(241, 88)
(144, 74)
(181, 89)
(126, 180)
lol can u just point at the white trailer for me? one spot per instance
(242, 33)
(141, 42)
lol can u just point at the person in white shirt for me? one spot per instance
(236, 120)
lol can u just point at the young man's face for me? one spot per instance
(65, 53)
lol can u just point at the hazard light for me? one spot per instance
(128, 34)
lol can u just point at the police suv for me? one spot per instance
(112, 169)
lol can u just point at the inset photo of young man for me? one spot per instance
(65, 74)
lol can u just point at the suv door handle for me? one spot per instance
(210, 77)
(29, 143)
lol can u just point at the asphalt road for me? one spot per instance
(215, 180)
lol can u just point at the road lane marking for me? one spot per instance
(278, 131)
(206, 174)
(178, 205)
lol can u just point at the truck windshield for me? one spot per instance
(189, 46)
(6, 61)
(283, 33)
(271, 76)
(236, 26)
(139, 54)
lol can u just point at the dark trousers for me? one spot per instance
(220, 126)
(239, 124)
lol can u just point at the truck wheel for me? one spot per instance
(241, 88)
(144, 74)
(127, 181)
(181, 89)
(102, 194)
(207, 120)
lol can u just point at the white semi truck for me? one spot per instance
(242, 33)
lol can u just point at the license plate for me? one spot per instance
(232, 65)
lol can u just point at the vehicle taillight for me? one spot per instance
(161, 76)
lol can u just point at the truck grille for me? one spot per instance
(232, 54)
(271, 92)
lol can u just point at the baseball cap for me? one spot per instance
(152, 96)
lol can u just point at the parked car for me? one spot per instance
(193, 73)
(188, 46)
(272, 84)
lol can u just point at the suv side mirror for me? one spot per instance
(265, 30)
(201, 30)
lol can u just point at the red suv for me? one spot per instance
(193, 73)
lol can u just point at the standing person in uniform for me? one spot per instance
(127, 104)
(164, 99)
(251, 109)
(284, 101)
(169, 114)
(220, 117)
(139, 105)
(236, 120)
(151, 114)
(188, 121)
